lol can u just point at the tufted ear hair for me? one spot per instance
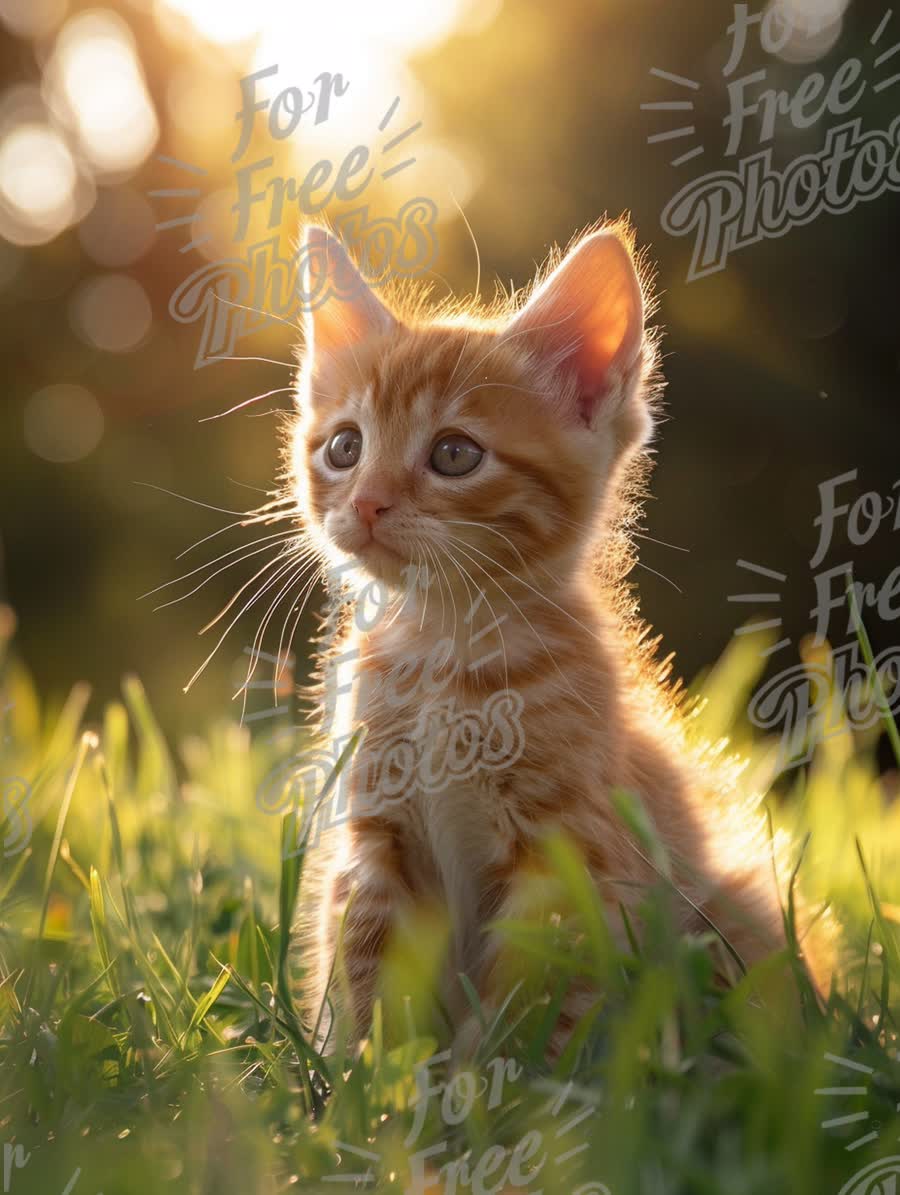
(587, 318)
(339, 307)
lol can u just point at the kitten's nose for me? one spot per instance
(370, 509)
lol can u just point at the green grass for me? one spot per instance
(149, 1040)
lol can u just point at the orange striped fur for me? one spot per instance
(527, 558)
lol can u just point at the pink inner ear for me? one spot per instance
(588, 315)
(344, 309)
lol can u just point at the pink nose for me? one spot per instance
(370, 509)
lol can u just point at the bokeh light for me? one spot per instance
(815, 27)
(63, 423)
(120, 115)
(95, 78)
(120, 227)
(112, 312)
(37, 183)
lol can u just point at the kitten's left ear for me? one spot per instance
(339, 307)
(588, 318)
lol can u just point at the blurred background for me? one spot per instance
(118, 131)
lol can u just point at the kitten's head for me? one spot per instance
(468, 444)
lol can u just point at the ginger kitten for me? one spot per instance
(483, 471)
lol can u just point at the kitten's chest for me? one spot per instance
(430, 763)
(426, 728)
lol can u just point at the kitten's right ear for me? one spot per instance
(587, 318)
(339, 307)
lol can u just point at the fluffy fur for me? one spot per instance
(527, 558)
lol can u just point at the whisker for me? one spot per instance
(517, 607)
(193, 501)
(488, 527)
(223, 556)
(662, 543)
(432, 559)
(474, 245)
(465, 577)
(255, 650)
(640, 535)
(497, 621)
(204, 582)
(274, 563)
(260, 311)
(318, 575)
(477, 294)
(222, 530)
(246, 403)
(255, 488)
(591, 528)
(207, 538)
(304, 596)
(450, 592)
(258, 638)
(400, 606)
(536, 592)
(266, 360)
(273, 504)
(290, 556)
(662, 576)
(268, 585)
(427, 587)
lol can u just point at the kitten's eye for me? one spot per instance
(454, 456)
(344, 448)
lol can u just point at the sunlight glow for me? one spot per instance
(223, 21)
(367, 46)
(406, 25)
(367, 43)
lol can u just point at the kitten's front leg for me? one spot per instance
(509, 896)
(375, 892)
(580, 997)
(503, 896)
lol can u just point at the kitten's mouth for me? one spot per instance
(383, 562)
(377, 547)
(376, 556)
